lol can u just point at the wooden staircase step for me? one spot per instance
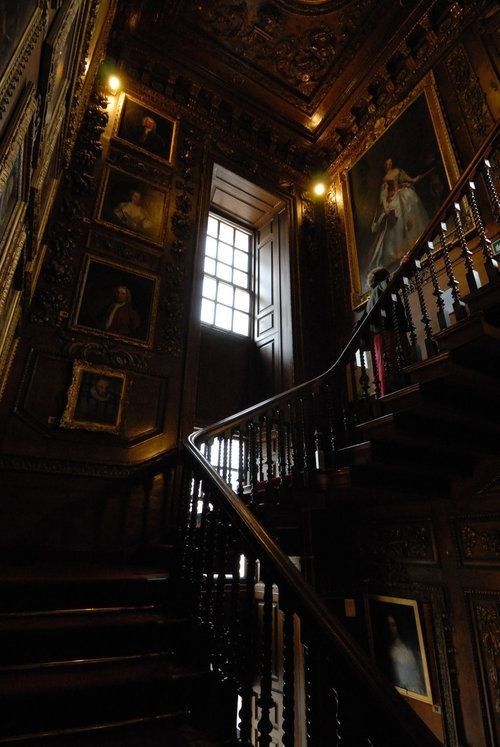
(475, 335)
(447, 369)
(486, 299)
(477, 435)
(36, 638)
(388, 452)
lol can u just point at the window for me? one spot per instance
(226, 300)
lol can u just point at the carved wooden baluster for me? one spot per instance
(252, 460)
(319, 446)
(185, 521)
(288, 447)
(234, 616)
(490, 264)
(193, 520)
(266, 702)
(303, 423)
(247, 639)
(220, 659)
(241, 463)
(261, 450)
(232, 437)
(219, 455)
(269, 458)
(211, 566)
(416, 353)
(471, 274)
(294, 438)
(364, 379)
(225, 447)
(281, 436)
(313, 714)
(458, 305)
(387, 360)
(399, 358)
(201, 567)
(376, 373)
(288, 678)
(492, 192)
(330, 415)
(430, 344)
(333, 696)
(442, 315)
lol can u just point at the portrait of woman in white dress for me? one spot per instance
(400, 217)
(394, 189)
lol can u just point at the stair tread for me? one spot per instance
(86, 673)
(50, 573)
(81, 619)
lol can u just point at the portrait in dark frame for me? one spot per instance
(95, 399)
(397, 644)
(14, 19)
(132, 205)
(116, 301)
(145, 128)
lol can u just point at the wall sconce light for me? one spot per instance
(319, 189)
(114, 84)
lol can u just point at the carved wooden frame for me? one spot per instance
(17, 144)
(68, 419)
(104, 333)
(146, 104)
(108, 169)
(485, 661)
(426, 86)
(427, 698)
(19, 60)
(56, 42)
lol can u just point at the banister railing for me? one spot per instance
(241, 465)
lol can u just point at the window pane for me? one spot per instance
(241, 240)
(241, 261)
(241, 300)
(209, 287)
(212, 226)
(207, 311)
(225, 294)
(210, 247)
(240, 323)
(209, 266)
(226, 233)
(240, 278)
(224, 272)
(225, 253)
(223, 316)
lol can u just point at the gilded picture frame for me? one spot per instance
(397, 644)
(58, 67)
(96, 399)
(410, 145)
(15, 159)
(24, 24)
(117, 301)
(44, 185)
(157, 141)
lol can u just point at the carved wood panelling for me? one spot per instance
(478, 540)
(472, 99)
(484, 609)
(386, 549)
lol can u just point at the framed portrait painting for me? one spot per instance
(116, 301)
(95, 399)
(394, 184)
(145, 129)
(132, 205)
(397, 644)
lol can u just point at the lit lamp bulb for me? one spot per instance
(114, 84)
(319, 189)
